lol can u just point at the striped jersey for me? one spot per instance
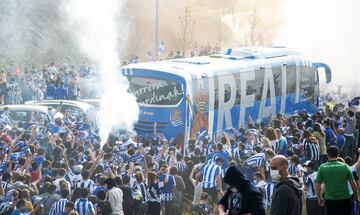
(58, 207)
(166, 188)
(157, 158)
(84, 207)
(89, 184)
(294, 169)
(5, 185)
(154, 193)
(181, 166)
(4, 206)
(310, 184)
(274, 145)
(248, 147)
(269, 190)
(207, 150)
(235, 153)
(143, 188)
(256, 160)
(137, 158)
(210, 173)
(105, 164)
(73, 179)
(312, 150)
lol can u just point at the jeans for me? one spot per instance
(348, 147)
(169, 207)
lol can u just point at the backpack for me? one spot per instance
(103, 208)
(137, 196)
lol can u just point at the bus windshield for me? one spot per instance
(155, 91)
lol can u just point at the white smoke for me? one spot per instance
(94, 24)
(325, 30)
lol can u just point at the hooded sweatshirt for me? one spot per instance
(247, 199)
(287, 199)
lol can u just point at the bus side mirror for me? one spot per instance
(327, 70)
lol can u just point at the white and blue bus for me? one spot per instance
(184, 98)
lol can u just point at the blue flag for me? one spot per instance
(354, 101)
(53, 128)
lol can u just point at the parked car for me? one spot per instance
(76, 108)
(26, 113)
(93, 102)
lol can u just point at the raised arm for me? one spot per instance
(146, 169)
(357, 164)
(33, 134)
(191, 176)
(98, 158)
(40, 176)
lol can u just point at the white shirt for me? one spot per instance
(116, 199)
(5, 117)
(198, 190)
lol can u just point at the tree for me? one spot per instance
(185, 38)
(254, 23)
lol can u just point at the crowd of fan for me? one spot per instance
(203, 50)
(18, 85)
(58, 166)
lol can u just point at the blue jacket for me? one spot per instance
(60, 93)
(50, 91)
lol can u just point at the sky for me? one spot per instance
(326, 31)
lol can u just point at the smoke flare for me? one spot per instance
(95, 26)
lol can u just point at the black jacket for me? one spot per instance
(128, 201)
(248, 199)
(287, 199)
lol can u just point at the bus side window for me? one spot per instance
(307, 83)
(277, 80)
(258, 84)
(291, 80)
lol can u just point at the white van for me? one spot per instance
(24, 113)
(76, 108)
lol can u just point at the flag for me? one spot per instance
(252, 131)
(86, 131)
(22, 145)
(250, 120)
(201, 134)
(53, 128)
(161, 47)
(354, 101)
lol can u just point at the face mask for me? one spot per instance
(7, 112)
(304, 169)
(234, 190)
(275, 175)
